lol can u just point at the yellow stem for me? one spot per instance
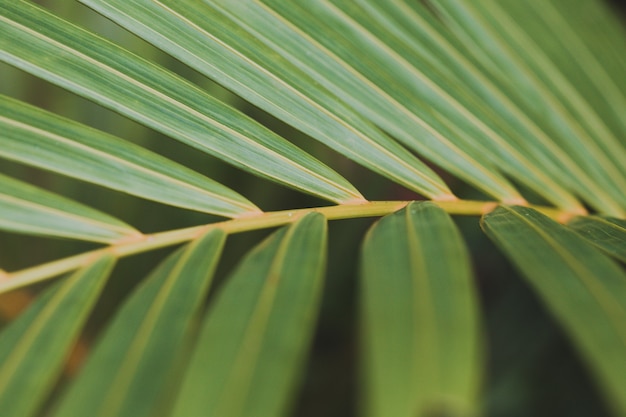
(144, 243)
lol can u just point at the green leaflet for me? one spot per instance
(383, 60)
(554, 27)
(579, 142)
(46, 46)
(583, 288)
(485, 117)
(420, 319)
(606, 233)
(517, 144)
(210, 41)
(492, 91)
(394, 110)
(34, 346)
(130, 371)
(255, 335)
(41, 139)
(28, 209)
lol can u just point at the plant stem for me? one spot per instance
(145, 243)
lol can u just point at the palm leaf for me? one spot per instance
(88, 65)
(33, 347)
(606, 233)
(40, 139)
(129, 378)
(517, 58)
(514, 103)
(254, 338)
(202, 37)
(29, 209)
(588, 292)
(420, 317)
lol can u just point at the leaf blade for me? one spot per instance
(580, 285)
(35, 137)
(129, 369)
(606, 233)
(551, 99)
(400, 117)
(204, 38)
(32, 210)
(33, 347)
(254, 337)
(85, 64)
(420, 316)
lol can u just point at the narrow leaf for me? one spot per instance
(606, 233)
(59, 52)
(130, 369)
(433, 73)
(503, 37)
(39, 138)
(208, 40)
(34, 346)
(556, 29)
(256, 334)
(466, 93)
(583, 288)
(420, 317)
(29, 209)
(374, 98)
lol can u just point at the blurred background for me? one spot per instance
(532, 369)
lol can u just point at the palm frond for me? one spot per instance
(519, 103)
